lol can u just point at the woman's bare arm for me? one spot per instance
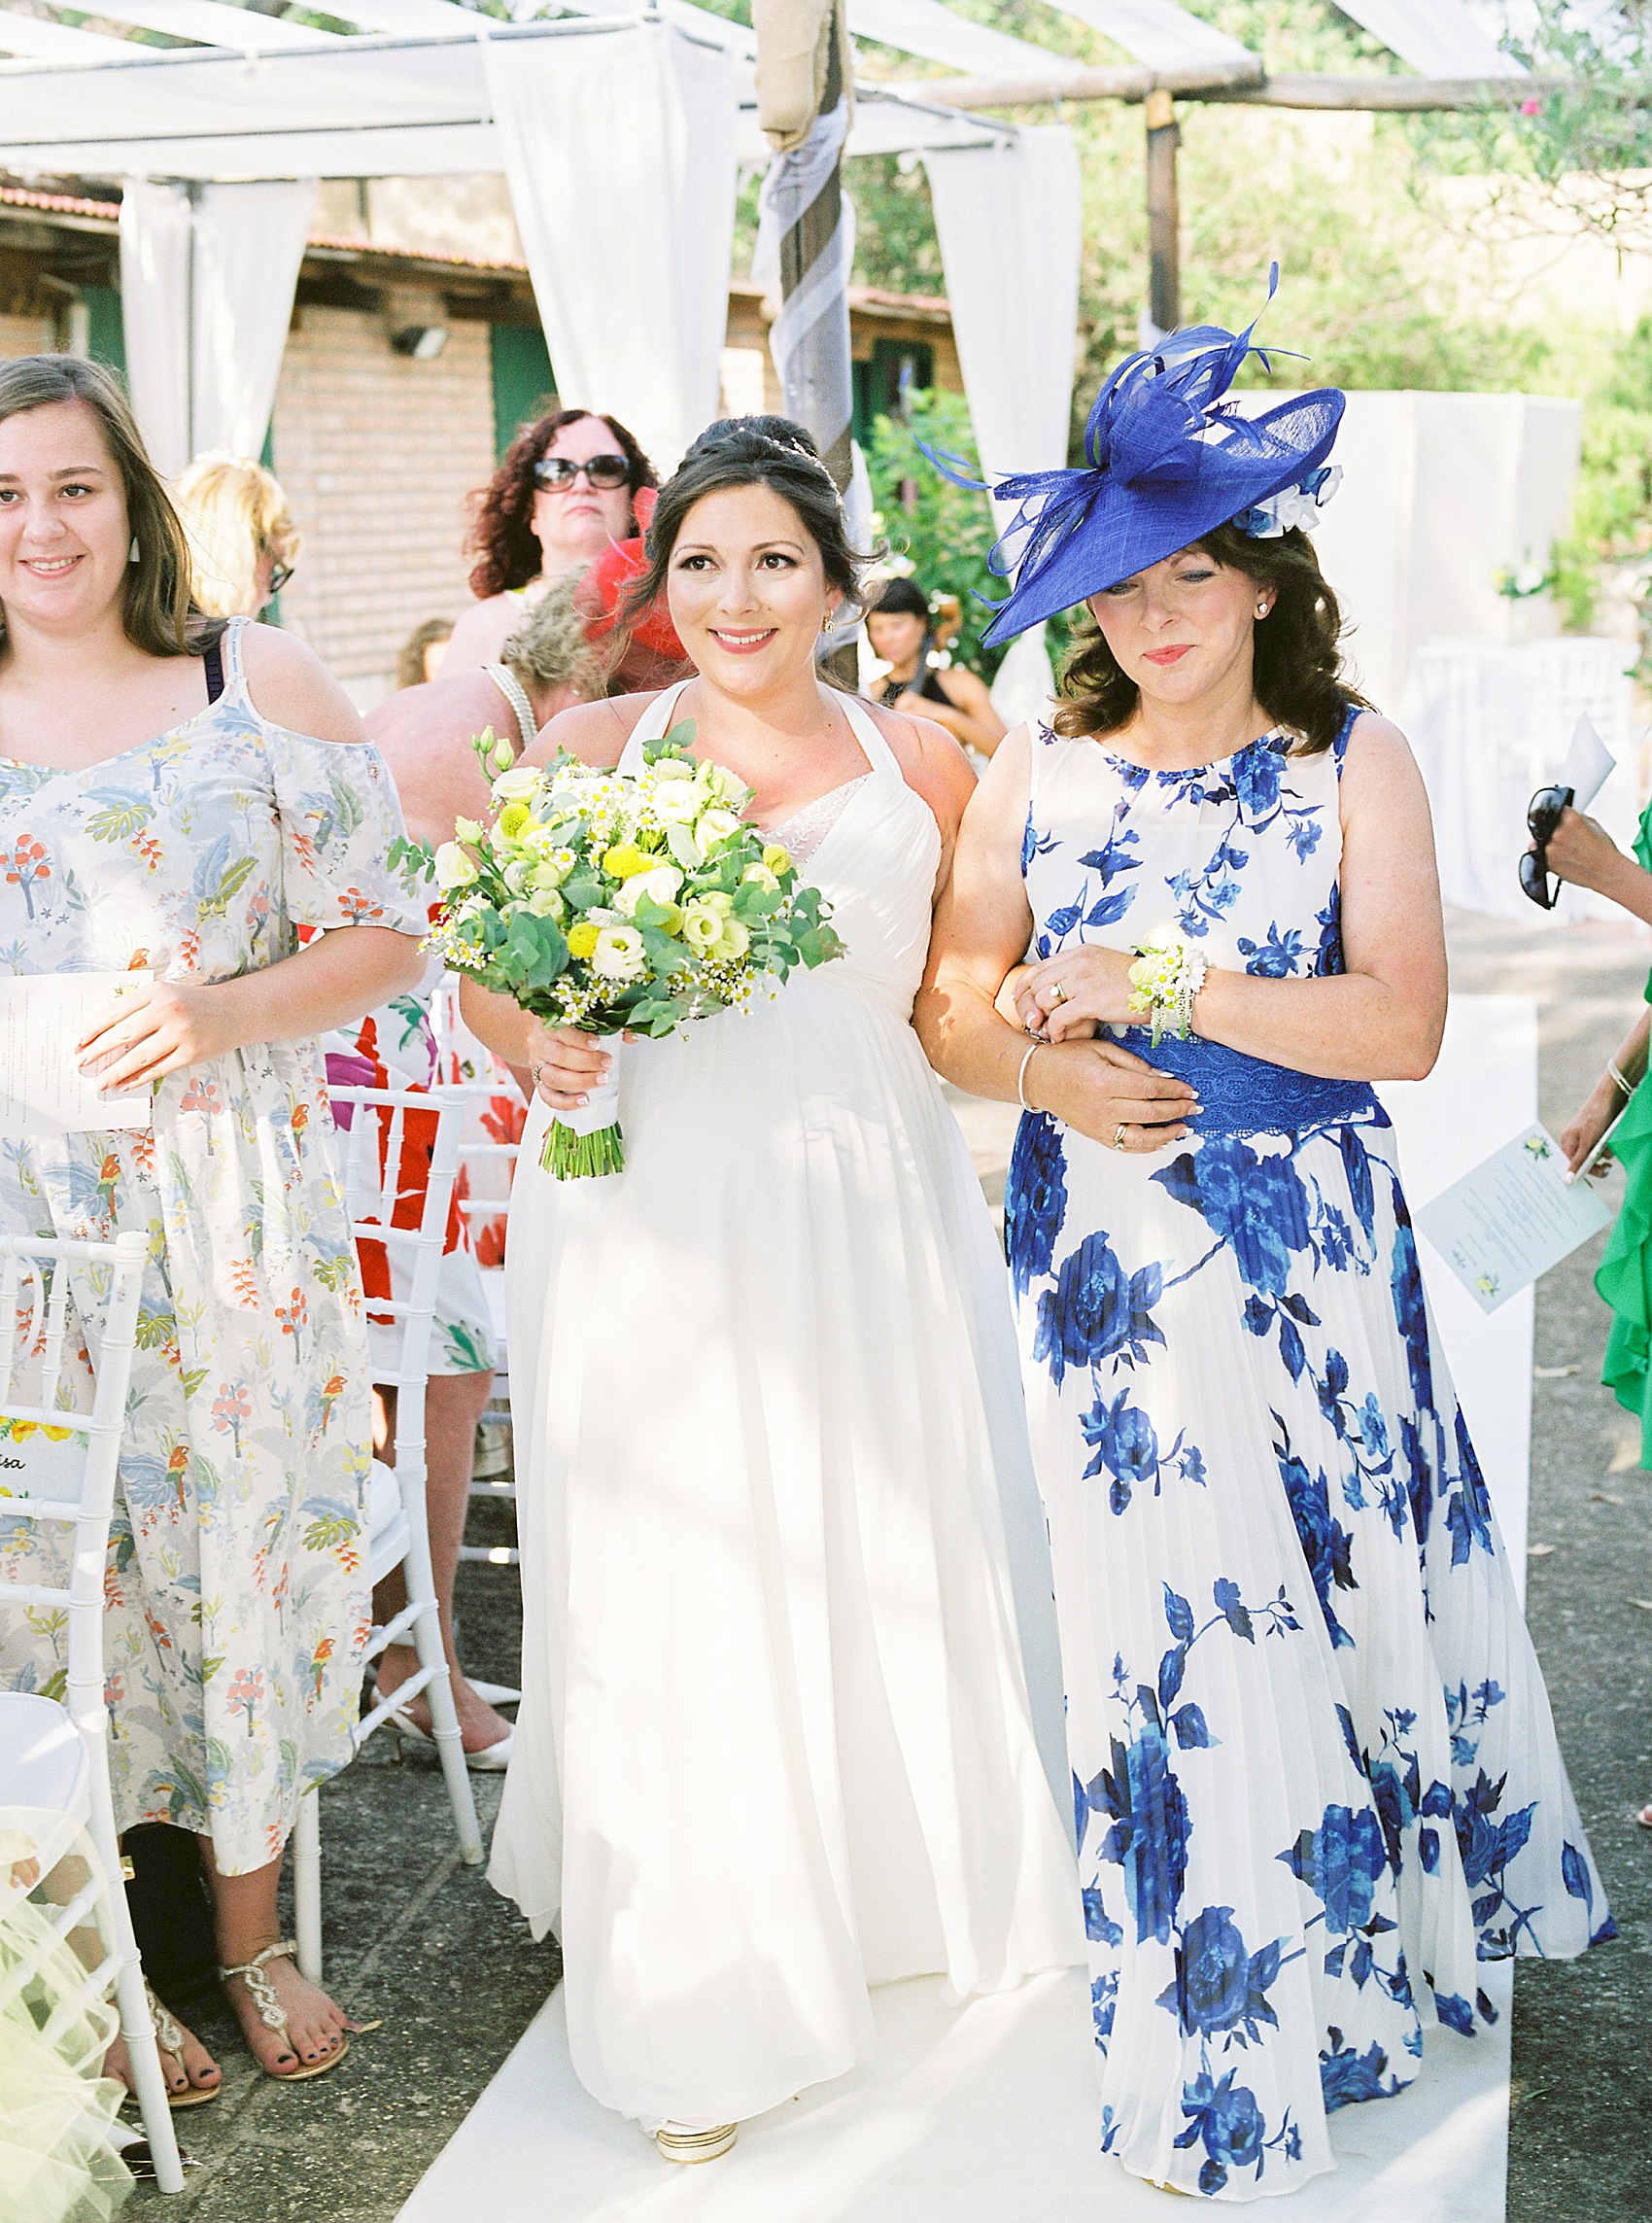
(981, 927)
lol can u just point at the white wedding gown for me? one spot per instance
(785, 1578)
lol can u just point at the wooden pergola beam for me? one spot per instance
(1158, 91)
(1399, 95)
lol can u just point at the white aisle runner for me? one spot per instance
(986, 2114)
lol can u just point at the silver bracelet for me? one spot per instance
(1628, 1087)
(1032, 1050)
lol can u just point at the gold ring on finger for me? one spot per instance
(1057, 993)
(1118, 1135)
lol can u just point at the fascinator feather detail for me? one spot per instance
(1168, 459)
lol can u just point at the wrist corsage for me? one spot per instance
(1167, 975)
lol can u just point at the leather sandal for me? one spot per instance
(274, 2016)
(169, 2037)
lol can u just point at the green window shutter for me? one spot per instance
(865, 406)
(896, 369)
(106, 335)
(524, 382)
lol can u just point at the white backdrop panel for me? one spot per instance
(1440, 493)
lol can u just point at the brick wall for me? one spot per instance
(376, 454)
(25, 336)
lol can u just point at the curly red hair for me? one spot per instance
(501, 532)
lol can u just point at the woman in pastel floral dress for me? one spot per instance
(153, 820)
(1315, 1774)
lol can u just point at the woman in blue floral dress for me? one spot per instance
(1315, 1776)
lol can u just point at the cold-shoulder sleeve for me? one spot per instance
(341, 819)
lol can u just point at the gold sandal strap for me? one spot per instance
(167, 2033)
(271, 2013)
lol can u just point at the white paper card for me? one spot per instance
(43, 1017)
(1589, 764)
(1512, 1218)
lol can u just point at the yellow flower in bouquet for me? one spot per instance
(622, 902)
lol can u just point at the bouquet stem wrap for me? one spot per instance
(584, 1142)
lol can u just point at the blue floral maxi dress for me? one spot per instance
(237, 1588)
(1315, 1771)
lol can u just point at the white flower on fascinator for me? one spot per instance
(1299, 505)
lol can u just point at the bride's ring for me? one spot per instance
(1057, 993)
(1118, 1135)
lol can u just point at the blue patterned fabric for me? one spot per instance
(1247, 1095)
(1315, 1776)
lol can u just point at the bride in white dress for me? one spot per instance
(786, 1587)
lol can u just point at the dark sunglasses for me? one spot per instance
(1542, 816)
(557, 473)
(279, 576)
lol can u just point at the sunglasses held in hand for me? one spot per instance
(557, 473)
(1542, 816)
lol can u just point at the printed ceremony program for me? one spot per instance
(1512, 1218)
(43, 1017)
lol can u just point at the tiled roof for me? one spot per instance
(58, 204)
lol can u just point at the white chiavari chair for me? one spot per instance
(57, 1470)
(383, 1124)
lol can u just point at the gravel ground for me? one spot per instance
(421, 1944)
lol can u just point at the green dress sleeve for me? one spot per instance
(1623, 1276)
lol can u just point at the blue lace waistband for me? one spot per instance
(1247, 1095)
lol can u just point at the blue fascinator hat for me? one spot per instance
(1168, 460)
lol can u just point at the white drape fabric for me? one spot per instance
(248, 243)
(619, 149)
(156, 237)
(207, 280)
(1008, 218)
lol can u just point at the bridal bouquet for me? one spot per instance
(613, 901)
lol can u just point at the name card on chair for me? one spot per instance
(43, 1017)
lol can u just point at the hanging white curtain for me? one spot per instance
(248, 243)
(156, 230)
(619, 149)
(1007, 220)
(206, 293)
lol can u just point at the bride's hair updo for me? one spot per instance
(751, 451)
(1297, 672)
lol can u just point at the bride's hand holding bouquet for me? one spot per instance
(606, 904)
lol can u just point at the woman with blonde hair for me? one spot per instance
(243, 542)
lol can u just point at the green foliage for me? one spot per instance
(1584, 136)
(1612, 516)
(944, 530)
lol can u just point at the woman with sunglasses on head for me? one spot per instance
(1315, 1770)
(561, 495)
